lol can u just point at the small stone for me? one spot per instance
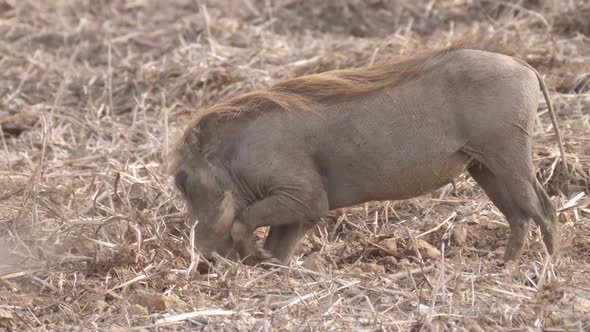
(137, 310)
(388, 247)
(315, 262)
(373, 267)
(423, 309)
(389, 261)
(404, 262)
(459, 236)
(155, 301)
(472, 325)
(101, 305)
(427, 250)
(6, 320)
(581, 303)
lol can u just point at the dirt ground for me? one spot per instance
(94, 236)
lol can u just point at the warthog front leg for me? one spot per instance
(245, 245)
(282, 240)
(288, 216)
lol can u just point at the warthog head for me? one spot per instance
(210, 204)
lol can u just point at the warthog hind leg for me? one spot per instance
(507, 176)
(499, 195)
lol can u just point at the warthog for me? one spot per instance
(285, 156)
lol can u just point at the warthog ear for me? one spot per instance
(207, 132)
(228, 214)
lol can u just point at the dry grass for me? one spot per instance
(92, 231)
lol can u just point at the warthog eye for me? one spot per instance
(180, 181)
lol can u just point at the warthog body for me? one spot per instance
(286, 156)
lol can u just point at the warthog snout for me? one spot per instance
(212, 208)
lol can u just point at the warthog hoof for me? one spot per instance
(261, 256)
(244, 242)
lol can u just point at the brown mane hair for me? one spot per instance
(302, 93)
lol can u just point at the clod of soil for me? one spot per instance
(427, 250)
